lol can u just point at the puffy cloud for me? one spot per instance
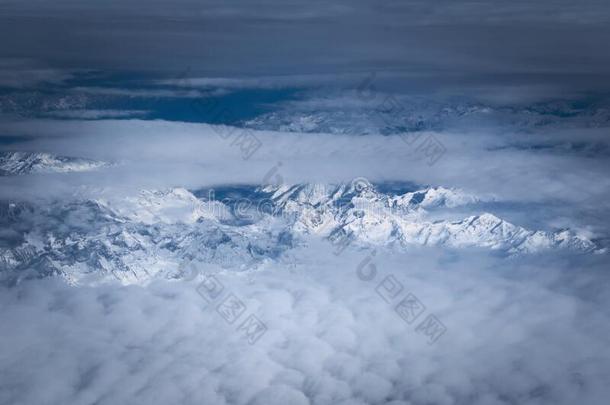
(157, 154)
(531, 331)
(355, 328)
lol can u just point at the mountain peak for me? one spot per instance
(14, 163)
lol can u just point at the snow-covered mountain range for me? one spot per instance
(153, 234)
(361, 212)
(387, 114)
(13, 163)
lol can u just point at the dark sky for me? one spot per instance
(556, 43)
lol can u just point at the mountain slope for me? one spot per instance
(14, 163)
(367, 216)
(153, 234)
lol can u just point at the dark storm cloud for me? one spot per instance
(551, 42)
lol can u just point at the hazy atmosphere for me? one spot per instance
(291, 202)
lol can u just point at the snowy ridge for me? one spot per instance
(13, 163)
(398, 114)
(437, 197)
(378, 219)
(133, 240)
(176, 205)
(153, 234)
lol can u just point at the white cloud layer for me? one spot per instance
(527, 332)
(158, 154)
(530, 330)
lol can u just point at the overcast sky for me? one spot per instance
(559, 43)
